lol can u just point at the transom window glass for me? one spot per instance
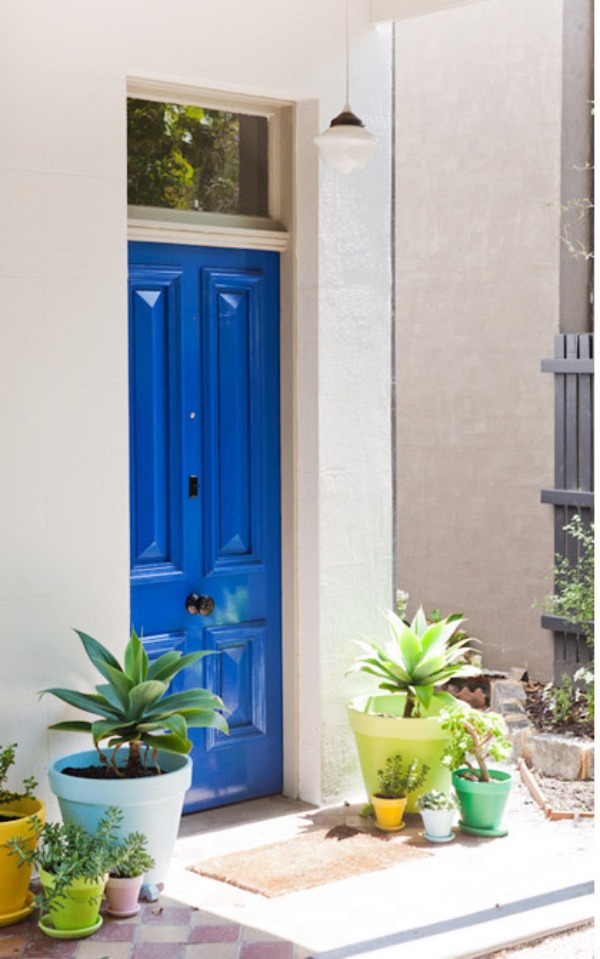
(192, 158)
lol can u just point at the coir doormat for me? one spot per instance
(314, 858)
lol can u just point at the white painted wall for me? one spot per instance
(479, 157)
(63, 343)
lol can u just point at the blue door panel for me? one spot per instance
(205, 516)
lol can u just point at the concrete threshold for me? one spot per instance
(478, 934)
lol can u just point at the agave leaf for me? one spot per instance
(169, 742)
(189, 699)
(136, 659)
(109, 693)
(410, 649)
(466, 669)
(424, 694)
(449, 628)
(156, 667)
(198, 717)
(89, 702)
(175, 724)
(419, 623)
(396, 623)
(73, 726)
(444, 697)
(169, 670)
(432, 640)
(397, 672)
(105, 728)
(97, 652)
(117, 678)
(206, 718)
(428, 666)
(144, 696)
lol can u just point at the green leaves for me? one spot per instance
(474, 735)
(133, 704)
(417, 658)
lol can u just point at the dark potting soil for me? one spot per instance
(104, 772)
(4, 817)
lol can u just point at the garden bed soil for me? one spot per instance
(539, 715)
(574, 795)
(562, 795)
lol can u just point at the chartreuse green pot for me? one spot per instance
(16, 902)
(76, 913)
(482, 804)
(380, 731)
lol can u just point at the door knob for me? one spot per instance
(199, 605)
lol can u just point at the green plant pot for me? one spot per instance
(380, 731)
(482, 804)
(77, 911)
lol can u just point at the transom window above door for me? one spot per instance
(189, 157)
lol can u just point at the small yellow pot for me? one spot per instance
(15, 899)
(389, 813)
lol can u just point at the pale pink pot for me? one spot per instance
(123, 895)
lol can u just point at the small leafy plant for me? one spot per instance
(7, 759)
(572, 701)
(67, 851)
(134, 708)
(131, 857)
(475, 738)
(436, 799)
(396, 781)
(573, 596)
(416, 658)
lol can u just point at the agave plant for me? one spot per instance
(134, 707)
(416, 658)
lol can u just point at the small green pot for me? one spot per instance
(482, 804)
(76, 911)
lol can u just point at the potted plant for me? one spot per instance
(395, 782)
(73, 865)
(437, 810)
(18, 812)
(130, 861)
(416, 660)
(475, 738)
(144, 769)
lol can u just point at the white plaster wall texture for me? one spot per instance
(63, 332)
(355, 432)
(479, 127)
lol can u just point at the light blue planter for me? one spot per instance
(151, 806)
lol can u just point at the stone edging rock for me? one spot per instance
(563, 757)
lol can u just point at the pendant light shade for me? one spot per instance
(346, 145)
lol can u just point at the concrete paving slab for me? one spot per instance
(467, 898)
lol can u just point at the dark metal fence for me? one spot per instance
(573, 493)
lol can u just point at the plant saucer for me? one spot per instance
(489, 833)
(126, 914)
(10, 918)
(391, 828)
(447, 838)
(70, 933)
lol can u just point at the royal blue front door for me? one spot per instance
(205, 495)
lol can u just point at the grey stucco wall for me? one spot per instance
(478, 280)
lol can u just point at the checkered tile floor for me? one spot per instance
(162, 930)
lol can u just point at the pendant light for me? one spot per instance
(346, 145)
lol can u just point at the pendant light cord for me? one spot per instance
(347, 107)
